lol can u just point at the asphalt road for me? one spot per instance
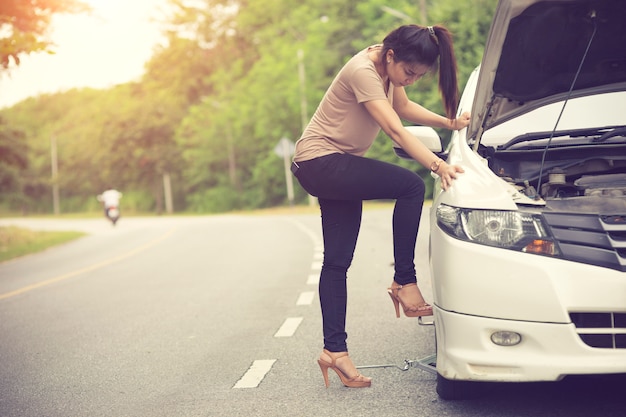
(219, 316)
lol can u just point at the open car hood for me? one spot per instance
(543, 51)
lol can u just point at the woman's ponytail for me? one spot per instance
(448, 84)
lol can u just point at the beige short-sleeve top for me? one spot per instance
(341, 122)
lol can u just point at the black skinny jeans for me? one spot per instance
(341, 182)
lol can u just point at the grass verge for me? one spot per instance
(15, 241)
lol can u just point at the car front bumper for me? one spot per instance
(547, 351)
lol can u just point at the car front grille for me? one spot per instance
(601, 330)
(591, 239)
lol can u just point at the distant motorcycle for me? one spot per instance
(113, 214)
(110, 199)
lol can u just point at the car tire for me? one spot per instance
(453, 390)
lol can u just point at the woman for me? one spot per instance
(367, 95)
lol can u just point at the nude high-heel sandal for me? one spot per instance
(357, 381)
(424, 309)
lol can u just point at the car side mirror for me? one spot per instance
(428, 136)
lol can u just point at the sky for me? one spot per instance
(100, 50)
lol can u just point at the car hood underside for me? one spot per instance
(539, 52)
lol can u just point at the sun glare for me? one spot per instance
(107, 47)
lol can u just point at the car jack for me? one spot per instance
(428, 363)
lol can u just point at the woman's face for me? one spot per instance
(401, 73)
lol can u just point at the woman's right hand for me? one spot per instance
(448, 173)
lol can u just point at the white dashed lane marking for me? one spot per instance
(255, 374)
(314, 279)
(306, 298)
(289, 327)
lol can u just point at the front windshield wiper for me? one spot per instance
(600, 132)
(618, 131)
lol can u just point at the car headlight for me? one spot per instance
(515, 230)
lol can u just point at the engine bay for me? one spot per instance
(588, 179)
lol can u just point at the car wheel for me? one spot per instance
(449, 389)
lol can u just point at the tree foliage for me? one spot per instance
(233, 79)
(24, 26)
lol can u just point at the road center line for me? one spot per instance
(88, 268)
(306, 298)
(313, 279)
(289, 327)
(255, 374)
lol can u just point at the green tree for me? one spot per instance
(13, 162)
(137, 141)
(259, 90)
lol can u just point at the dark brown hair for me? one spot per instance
(431, 46)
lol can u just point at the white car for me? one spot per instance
(528, 246)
